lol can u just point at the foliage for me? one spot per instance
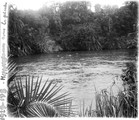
(15, 31)
(130, 83)
(28, 96)
(123, 104)
(114, 42)
(108, 105)
(72, 26)
(107, 28)
(83, 37)
(129, 75)
(86, 111)
(12, 70)
(29, 32)
(28, 99)
(36, 99)
(132, 40)
(74, 12)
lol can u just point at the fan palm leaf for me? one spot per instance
(29, 96)
(12, 70)
(41, 109)
(38, 96)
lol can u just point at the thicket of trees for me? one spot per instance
(72, 26)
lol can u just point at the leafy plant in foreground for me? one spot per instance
(87, 111)
(29, 96)
(125, 103)
(129, 79)
(115, 106)
(31, 99)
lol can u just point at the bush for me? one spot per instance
(129, 78)
(81, 37)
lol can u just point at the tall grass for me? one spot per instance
(86, 111)
(130, 83)
(124, 104)
(110, 105)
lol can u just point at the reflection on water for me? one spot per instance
(79, 72)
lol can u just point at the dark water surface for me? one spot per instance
(79, 72)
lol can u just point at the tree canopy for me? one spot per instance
(71, 26)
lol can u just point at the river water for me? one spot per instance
(79, 72)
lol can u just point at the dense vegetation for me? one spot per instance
(29, 96)
(124, 104)
(72, 26)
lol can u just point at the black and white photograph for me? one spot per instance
(69, 58)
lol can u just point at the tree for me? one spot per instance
(74, 12)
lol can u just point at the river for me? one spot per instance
(79, 72)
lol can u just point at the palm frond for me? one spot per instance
(41, 109)
(31, 92)
(12, 70)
